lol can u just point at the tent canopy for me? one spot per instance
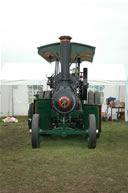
(52, 51)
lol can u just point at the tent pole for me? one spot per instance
(12, 102)
(126, 102)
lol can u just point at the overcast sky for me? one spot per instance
(28, 24)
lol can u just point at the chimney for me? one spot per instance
(65, 56)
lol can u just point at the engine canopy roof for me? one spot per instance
(82, 51)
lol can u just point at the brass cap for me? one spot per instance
(65, 38)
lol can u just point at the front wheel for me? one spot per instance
(92, 132)
(35, 131)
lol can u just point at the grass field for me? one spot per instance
(63, 164)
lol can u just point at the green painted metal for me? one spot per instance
(64, 131)
(77, 113)
(53, 113)
(83, 51)
(43, 108)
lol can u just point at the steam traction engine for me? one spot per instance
(65, 109)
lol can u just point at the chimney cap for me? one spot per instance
(65, 38)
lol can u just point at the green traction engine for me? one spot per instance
(65, 108)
